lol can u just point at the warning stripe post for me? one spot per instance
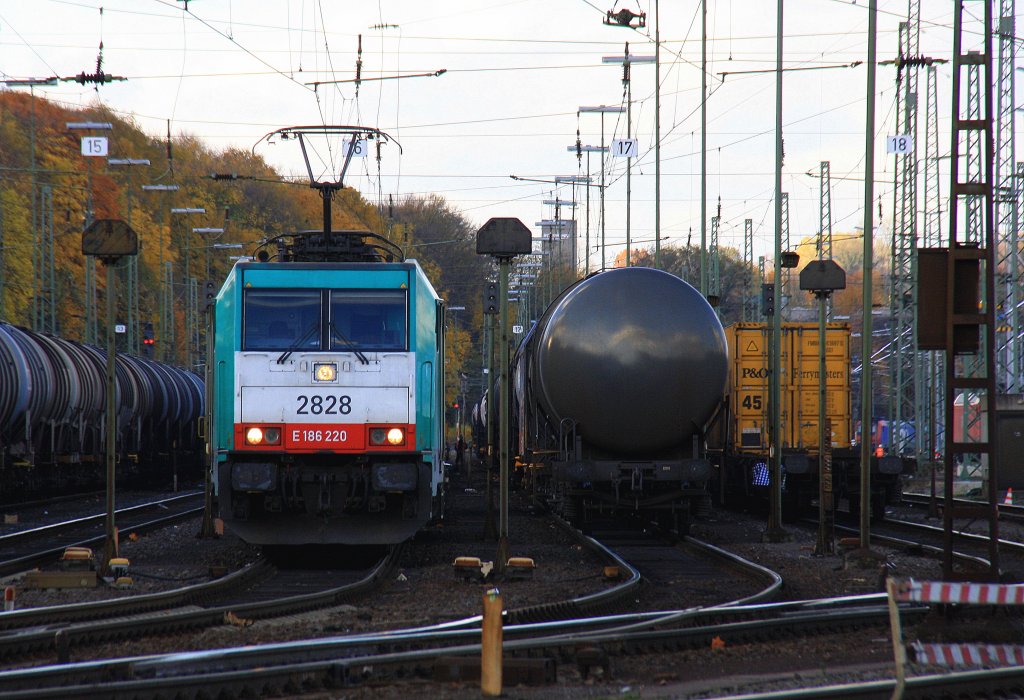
(950, 654)
(969, 654)
(913, 591)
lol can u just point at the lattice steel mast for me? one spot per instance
(782, 304)
(969, 313)
(903, 302)
(930, 407)
(751, 293)
(1010, 271)
(824, 247)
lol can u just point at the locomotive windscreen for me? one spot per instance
(279, 319)
(315, 319)
(370, 319)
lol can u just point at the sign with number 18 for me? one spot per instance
(900, 143)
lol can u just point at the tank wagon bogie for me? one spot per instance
(53, 413)
(328, 401)
(612, 390)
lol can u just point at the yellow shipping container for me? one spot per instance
(748, 382)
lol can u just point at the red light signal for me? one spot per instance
(148, 341)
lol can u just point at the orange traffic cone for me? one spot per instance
(1008, 500)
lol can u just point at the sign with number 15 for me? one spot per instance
(94, 145)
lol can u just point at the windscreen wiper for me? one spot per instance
(298, 343)
(351, 346)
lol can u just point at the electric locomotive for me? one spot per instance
(328, 371)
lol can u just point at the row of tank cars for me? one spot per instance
(53, 414)
(629, 396)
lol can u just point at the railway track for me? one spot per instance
(971, 539)
(587, 631)
(1008, 512)
(257, 592)
(60, 628)
(42, 545)
(263, 591)
(535, 649)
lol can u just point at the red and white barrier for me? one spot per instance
(970, 593)
(953, 654)
(969, 654)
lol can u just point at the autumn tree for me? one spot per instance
(443, 241)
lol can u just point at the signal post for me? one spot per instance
(822, 277)
(110, 240)
(503, 239)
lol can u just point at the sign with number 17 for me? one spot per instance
(625, 148)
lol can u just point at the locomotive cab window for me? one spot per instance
(367, 319)
(281, 319)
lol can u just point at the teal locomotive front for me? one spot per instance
(327, 402)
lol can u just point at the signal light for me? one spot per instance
(147, 337)
(768, 299)
(209, 294)
(491, 298)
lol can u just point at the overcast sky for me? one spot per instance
(516, 73)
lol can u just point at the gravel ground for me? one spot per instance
(425, 591)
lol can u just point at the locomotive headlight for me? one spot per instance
(325, 371)
(263, 436)
(387, 436)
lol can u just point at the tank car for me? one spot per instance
(613, 388)
(328, 393)
(53, 413)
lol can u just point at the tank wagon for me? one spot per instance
(739, 441)
(328, 393)
(53, 413)
(613, 388)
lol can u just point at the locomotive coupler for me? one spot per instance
(637, 479)
(325, 495)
